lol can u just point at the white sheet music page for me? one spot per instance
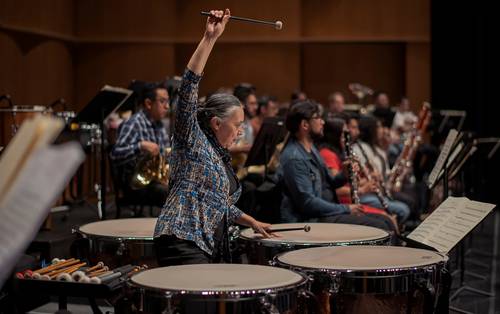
(450, 223)
(28, 201)
(445, 151)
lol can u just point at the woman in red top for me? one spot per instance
(331, 149)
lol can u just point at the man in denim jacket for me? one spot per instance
(308, 186)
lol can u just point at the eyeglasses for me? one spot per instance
(163, 101)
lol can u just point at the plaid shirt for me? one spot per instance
(136, 129)
(199, 186)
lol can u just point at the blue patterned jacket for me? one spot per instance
(199, 187)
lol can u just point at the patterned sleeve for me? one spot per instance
(185, 115)
(127, 145)
(234, 214)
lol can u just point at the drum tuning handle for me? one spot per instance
(268, 307)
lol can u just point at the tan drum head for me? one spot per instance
(320, 233)
(361, 257)
(216, 277)
(136, 228)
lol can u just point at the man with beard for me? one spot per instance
(308, 187)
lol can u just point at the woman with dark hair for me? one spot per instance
(332, 148)
(193, 225)
(367, 147)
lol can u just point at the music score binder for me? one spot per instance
(270, 134)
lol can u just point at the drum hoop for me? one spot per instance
(312, 244)
(356, 273)
(234, 294)
(26, 109)
(116, 238)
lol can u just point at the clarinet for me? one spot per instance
(380, 183)
(352, 175)
(369, 177)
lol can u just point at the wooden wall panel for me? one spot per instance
(11, 63)
(367, 20)
(117, 65)
(37, 76)
(331, 67)
(273, 69)
(47, 74)
(125, 19)
(55, 16)
(418, 73)
(190, 24)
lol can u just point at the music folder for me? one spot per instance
(33, 175)
(108, 100)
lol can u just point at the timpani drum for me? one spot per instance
(370, 279)
(118, 242)
(12, 118)
(260, 250)
(219, 288)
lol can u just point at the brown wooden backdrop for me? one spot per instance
(69, 49)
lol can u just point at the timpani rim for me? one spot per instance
(88, 234)
(229, 294)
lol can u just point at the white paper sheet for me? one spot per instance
(34, 190)
(445, 151)
(450, 223)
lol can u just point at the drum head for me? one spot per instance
(365, 258)
(320, 233)
(132, 228)
(216, 278)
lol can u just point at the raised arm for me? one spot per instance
(185, 115)
(214, 28)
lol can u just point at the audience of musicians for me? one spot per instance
(308, 186)
(332, 149)
(141, 136)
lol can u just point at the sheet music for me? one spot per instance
(450, 223)
(25, 206)
(451, 159)
(445, 151)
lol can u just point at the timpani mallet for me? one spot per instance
(93, 268)
(56, 266)
(277, 25)
(306, 228)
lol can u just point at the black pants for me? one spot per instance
(171, 250)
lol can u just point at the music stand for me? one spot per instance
(107, 101)
(466, 154)
(270, 134)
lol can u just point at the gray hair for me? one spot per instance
(217, 105)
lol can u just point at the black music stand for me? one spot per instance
(107, 101)
(456, 168)
(270, 134)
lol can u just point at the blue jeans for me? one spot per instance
(401, 210)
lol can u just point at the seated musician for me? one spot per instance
(268, 108)
(367, 147)
(308, 186)
(332, 147)
(245, 93)
(141, 136)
